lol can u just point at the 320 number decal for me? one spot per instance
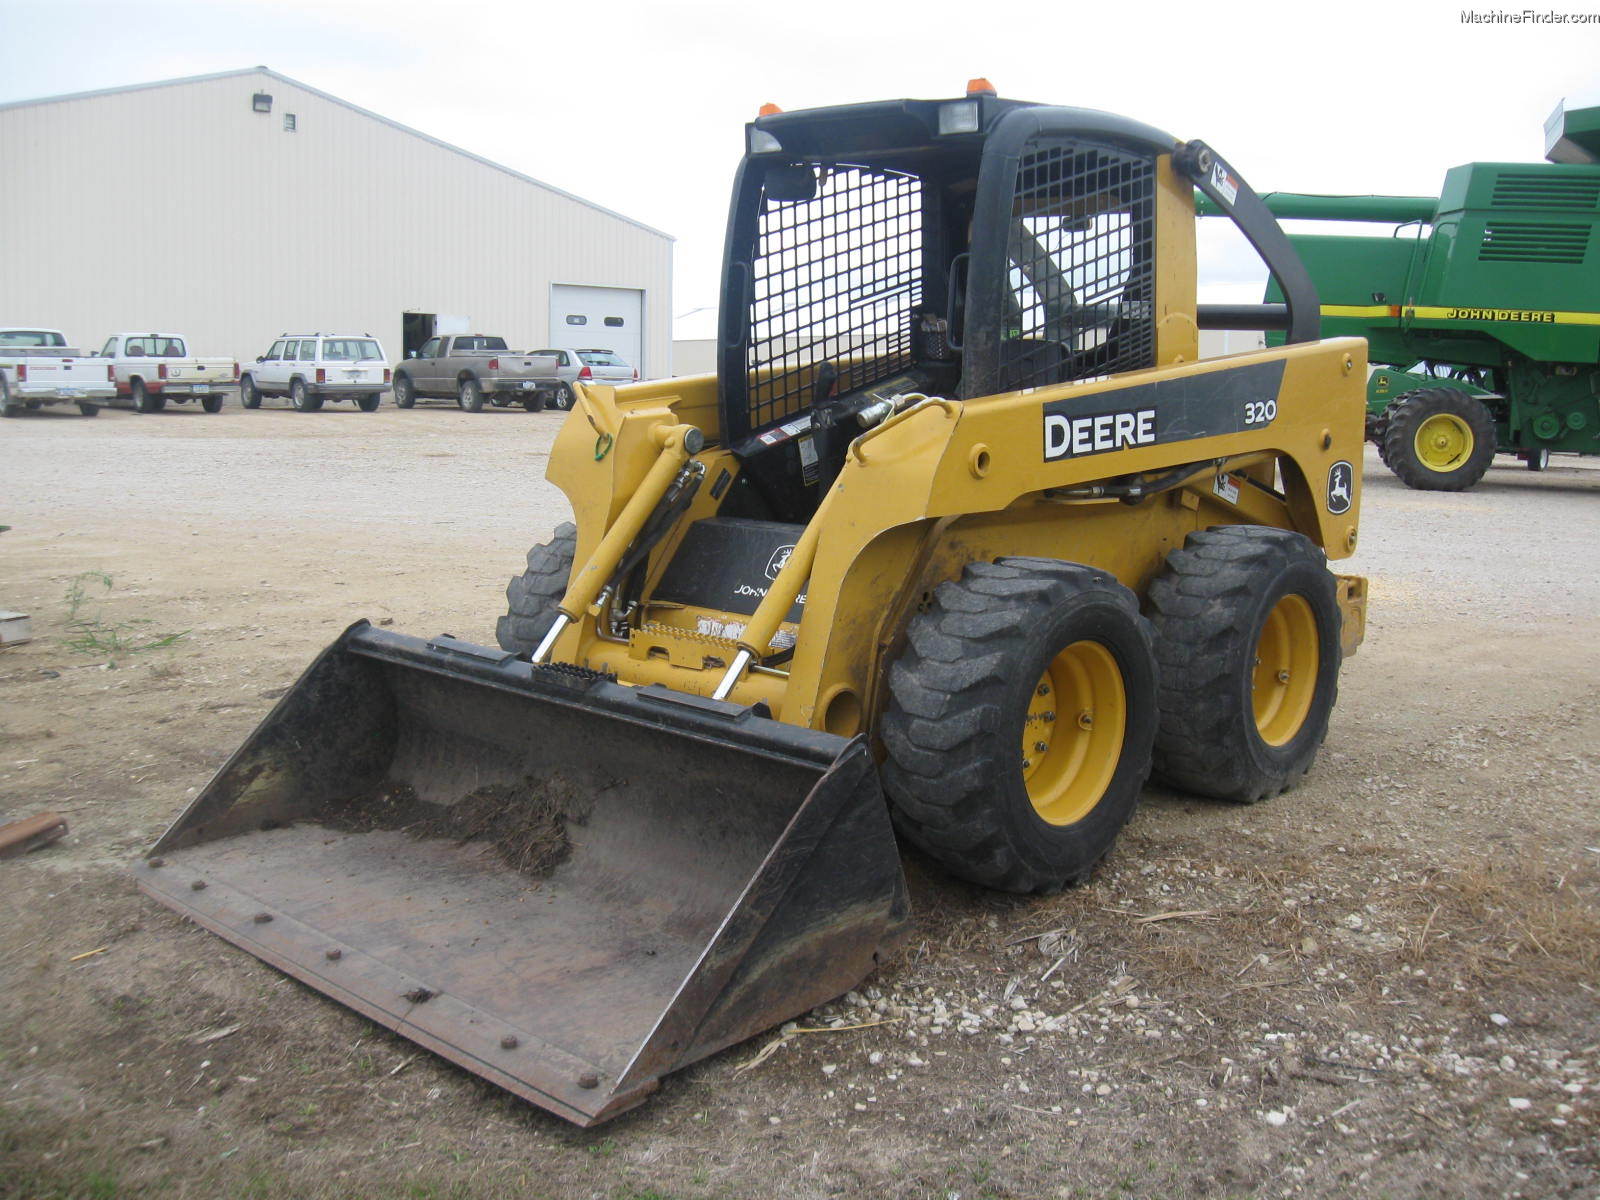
(1259, 412)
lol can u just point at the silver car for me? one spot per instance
(587, 366)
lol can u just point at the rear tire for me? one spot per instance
(302, 398)
(534, 403)
(531, 597)
(140, 395)
(1438, 439)
(8, 407)
(249, 394)
(87, 409)
(405, 392)
(563, 397)
(469, 395)
(212, 404)
(370, 402)
(980, 772)
(1247, 636)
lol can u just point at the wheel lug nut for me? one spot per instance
(1050, 716)
(1283, 677)
(1044, 689)
(1086, 720)
(1040, 747)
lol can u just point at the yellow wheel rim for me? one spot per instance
(1072, 737)
(1285, 680)
(1444, 442)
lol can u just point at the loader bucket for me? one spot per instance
(567, 886)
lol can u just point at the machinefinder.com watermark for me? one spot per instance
(1526, 16)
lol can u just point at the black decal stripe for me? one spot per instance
(1198, 406)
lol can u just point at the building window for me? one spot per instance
(577, 320)
(614, 322)
(261, 102)
(288, 123)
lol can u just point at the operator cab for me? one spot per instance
(878, 253)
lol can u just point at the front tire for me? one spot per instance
(249, 394)
(532, 597)
(1536, 460)
(405, 392)
(469, 395)
(1247, 635)
(1438, 439)
(1020, 721)
(302, 397)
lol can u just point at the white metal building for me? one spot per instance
(234, 207)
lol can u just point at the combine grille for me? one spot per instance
(835, 279)
(1545, 189)
(1081, 258)
(1527, 241)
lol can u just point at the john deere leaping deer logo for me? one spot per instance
(779, 560)
(1341, 476)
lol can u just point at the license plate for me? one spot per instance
(201, 389)
(527, 385)
(68, 392)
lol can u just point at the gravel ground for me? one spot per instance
(1383, 983)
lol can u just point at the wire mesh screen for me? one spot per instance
(835, 280)
(1080, 296)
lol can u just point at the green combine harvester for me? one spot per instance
(1481, 312)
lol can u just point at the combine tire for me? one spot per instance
(212, 404)
(405, 392)
(249, 394)
(302, 398)
(370, 402)
(469, 395)
(1247, 637)
(531, 597)
(1020, 721)
(1438, 439)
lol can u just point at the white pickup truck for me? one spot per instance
(38, 367)
(151, 368)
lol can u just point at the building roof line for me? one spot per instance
(355, 108)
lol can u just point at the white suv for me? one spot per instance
(312, 367)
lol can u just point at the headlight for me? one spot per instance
(762, 142)
(959, 116)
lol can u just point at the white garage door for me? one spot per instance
(598, 318)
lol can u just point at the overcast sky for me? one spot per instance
(641, 106)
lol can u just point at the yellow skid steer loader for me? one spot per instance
(961, 541)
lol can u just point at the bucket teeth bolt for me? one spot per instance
(509, 1042)
(199, 885)
(157, 863)
(588, 1080)
(333, 955)
(262, 918)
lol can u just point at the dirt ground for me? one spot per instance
(1381, 984)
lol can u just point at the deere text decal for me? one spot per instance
(1172, 410)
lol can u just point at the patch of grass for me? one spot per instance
(91, 634)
